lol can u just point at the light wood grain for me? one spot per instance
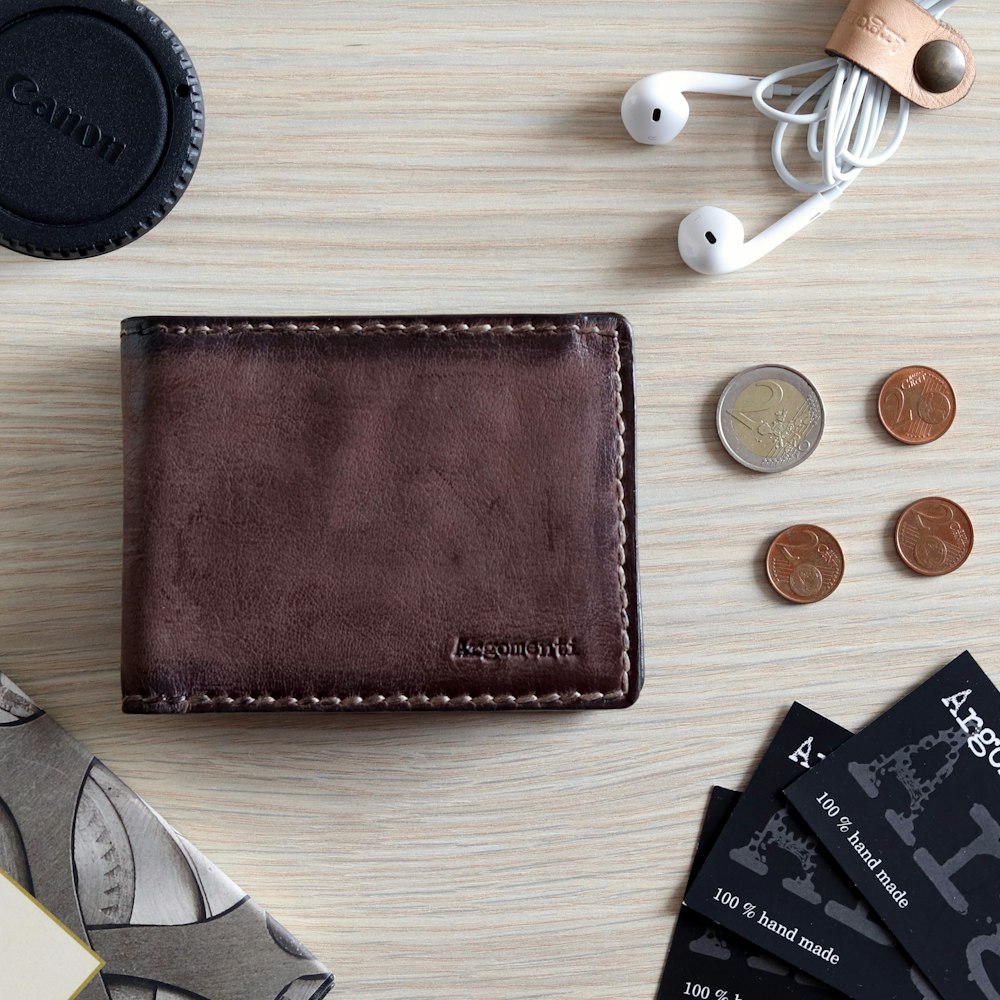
(406, 157)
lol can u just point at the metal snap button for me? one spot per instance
(939, 66)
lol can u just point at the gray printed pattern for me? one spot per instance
(168, 923)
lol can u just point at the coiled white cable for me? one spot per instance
(849, 108)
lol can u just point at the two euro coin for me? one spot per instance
(770, 418)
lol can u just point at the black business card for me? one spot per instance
(708, 962)
(768, 880)
(910, 809)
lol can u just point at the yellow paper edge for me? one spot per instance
(83, 944)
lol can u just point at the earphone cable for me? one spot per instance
(844, 112)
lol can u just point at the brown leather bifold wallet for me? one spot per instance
(371, 514)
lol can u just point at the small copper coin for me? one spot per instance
(934, 536)
(916, 405)
(805, 564)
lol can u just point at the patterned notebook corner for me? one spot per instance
(165, 921)
(15, 705)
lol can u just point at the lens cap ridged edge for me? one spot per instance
(181, 153)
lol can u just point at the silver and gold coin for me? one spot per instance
(770, 418)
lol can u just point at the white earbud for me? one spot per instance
(655, 110)
(712, 241)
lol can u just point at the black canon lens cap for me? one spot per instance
(100, 124)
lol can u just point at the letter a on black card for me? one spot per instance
(770, 881)
(910, 808)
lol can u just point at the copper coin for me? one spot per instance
(916, 405)
(805, 564)
(934, 536)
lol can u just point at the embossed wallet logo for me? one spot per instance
(24, 91)
(515, 649)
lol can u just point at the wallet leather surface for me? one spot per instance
(331, 514)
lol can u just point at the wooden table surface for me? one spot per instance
(407, 157)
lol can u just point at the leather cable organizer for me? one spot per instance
(888, 38)
(374, 514)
